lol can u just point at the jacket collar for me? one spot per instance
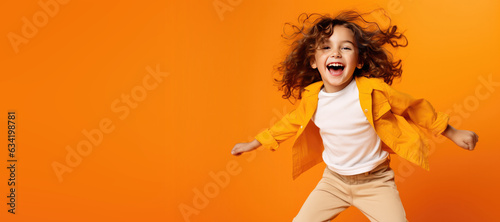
(365, 85)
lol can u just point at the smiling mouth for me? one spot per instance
(335, 68)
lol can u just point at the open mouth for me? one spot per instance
(335, 68)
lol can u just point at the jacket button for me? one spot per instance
(366, 110)
(301, 127)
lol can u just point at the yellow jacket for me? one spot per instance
(397, 118)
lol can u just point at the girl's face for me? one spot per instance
(336, 59)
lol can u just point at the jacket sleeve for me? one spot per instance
(283, 129)
(420, 111)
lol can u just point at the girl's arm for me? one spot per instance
(463, 138)
(272, 137)
(419, 110)
(424, 115)
(282, 130)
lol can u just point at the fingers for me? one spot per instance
(471, 140)
(238, 149)
(466, 144)
(471, 146)
(475, 139)
(235, 151)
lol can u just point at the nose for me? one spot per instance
(336, 54)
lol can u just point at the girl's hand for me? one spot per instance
(240, 148)
(463, 138)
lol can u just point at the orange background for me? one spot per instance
(160, 159)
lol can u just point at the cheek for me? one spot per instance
(323, 58)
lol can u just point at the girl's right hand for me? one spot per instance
(240, 148)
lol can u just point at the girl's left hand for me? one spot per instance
(463, 138)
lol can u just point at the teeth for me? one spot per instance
(336, 65)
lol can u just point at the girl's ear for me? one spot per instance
(313, 64)
(360, 63)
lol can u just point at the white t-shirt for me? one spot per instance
(351, 144)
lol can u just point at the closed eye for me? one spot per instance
(346, 48)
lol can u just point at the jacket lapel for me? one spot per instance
(365, 97)
(311, 99)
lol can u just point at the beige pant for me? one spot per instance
(374, 193)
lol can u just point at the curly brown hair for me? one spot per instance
(314, 29)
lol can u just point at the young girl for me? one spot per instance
(351, 118)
